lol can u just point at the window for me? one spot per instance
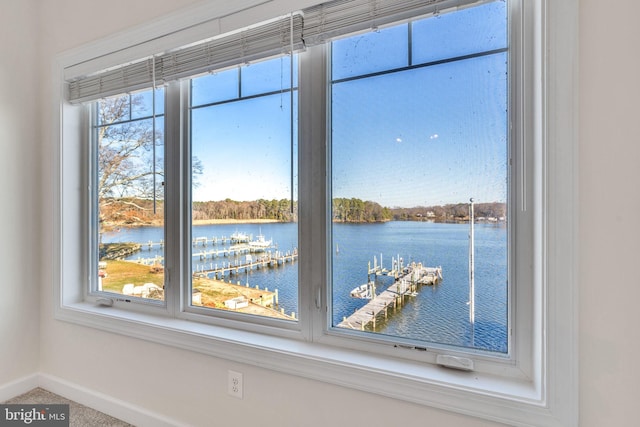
(433, 135)
(419, 128)
(241, 184)
(244, 232)
(129, 198)
(249, 194)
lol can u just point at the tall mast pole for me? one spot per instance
(472, 292)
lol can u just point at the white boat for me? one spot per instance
(363, 291)
(261, 242)
(239, 237)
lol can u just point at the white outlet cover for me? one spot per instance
(234, 384)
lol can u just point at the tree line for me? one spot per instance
(357, 210)
(132, 212)
(279, 210)
(128, 183)
(116, 212)
(452, 212)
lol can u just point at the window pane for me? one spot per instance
(216, 87)
(269, 76)
(143, 105)
(114, 110)
(370, 52)
(130, 196)
(473, 30)
(244, 227)
(410, 148)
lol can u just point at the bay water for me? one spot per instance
(436, 314)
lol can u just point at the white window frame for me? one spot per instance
(547, 395)
(519, 224)
(179, 93)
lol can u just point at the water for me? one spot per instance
(437, 313)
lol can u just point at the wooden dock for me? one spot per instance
(224, 240)
(237, 249)
(230, 251)
(264, 261)
(268, 259)
(406, 284)
(234, 239)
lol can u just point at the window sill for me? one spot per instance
(501, 399)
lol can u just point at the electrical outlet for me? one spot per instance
(234, 384)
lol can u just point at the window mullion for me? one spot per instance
(313, 186)
(90, 114)
(174, 265)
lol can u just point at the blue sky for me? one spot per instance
(425, 136)
(248, 156)
(244, 146)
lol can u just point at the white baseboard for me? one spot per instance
(19, 386)
(109, 405)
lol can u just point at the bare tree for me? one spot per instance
(130, 156)
(128, 150)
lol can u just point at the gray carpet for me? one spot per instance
(80, 415)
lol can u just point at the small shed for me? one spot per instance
(237, 302)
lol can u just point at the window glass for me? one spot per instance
(269, 76)
(473, 30)
(370, 52)
(411, 147)
(215, 87)
(244, 209)
(130, 195)
(114, 110)
(142, 103)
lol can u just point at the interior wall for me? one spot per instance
(610, 203)
(190, 387)
(20, 234)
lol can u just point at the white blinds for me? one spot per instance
(267, 39)
(311, 26)
(279, 36)
(339, 17)
(129, 77)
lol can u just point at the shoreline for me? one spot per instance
(233, 221)
(111, 227)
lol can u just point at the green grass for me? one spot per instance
(119, 273)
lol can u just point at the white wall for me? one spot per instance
(610, 204)
(190, 387)
(20, 180)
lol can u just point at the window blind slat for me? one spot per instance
(248, 45)
(339, 17)
(311, 26)
(130, 77)
(253, 43)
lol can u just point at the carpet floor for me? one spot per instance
(80, 415)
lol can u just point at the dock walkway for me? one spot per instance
(267, 260)
(406, 284)
(230, 251)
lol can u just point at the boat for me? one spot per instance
(261, 242)
(239, 237)
(365, 291)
